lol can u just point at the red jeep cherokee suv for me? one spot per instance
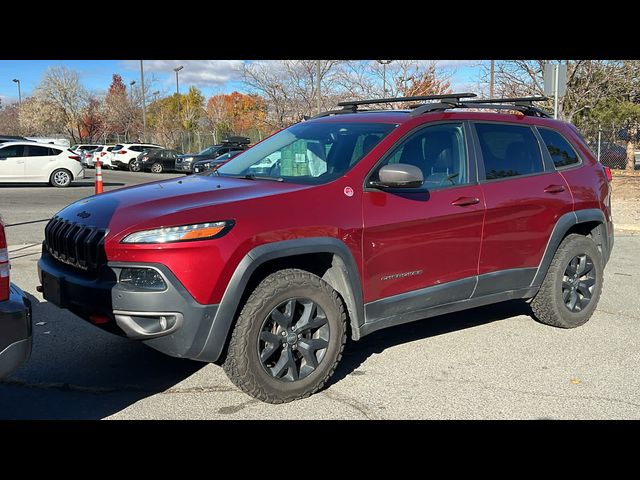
(339, 226)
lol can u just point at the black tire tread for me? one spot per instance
(236, 364)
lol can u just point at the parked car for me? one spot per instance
(85, 157)
(84, 146)
(184, 163)
(15, 317)
(212, 165)
(157, 160)
(123, 155)
(103, 152)
(39, 162)
(364, 220)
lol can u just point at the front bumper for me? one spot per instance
(15, 331)
(184, 167)
(170, 321)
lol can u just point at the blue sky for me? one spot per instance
(210, 76)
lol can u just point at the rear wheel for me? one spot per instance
(60, 178)
(288, 339)
(156, 167)
(134, 166)
(571, 289)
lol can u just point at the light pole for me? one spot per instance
(318, 84)
(177, 69)
(144, 103)
(131, 84)
(15, 80)
(492, 78)
(384, 64)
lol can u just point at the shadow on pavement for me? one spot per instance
(77, 371)
(76, 184)
(356, 353)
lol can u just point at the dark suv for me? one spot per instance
(339, 226)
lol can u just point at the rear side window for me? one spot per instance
(559, 148)
(117, 148)
(135, 148)
(35, 151)
(110, 148)
(54, 151)
(508, 150)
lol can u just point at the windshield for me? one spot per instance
(308, 152)
(209, 150)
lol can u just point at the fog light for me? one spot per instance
(142, 278)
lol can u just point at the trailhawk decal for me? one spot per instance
(402, 275)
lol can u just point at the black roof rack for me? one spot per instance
(351, 106)
(448, 101)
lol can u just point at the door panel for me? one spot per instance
(524, 198)
(418, 238)
(38, 163)
(12, 163)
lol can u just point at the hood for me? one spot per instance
(182, 200)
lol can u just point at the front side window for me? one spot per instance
(12, 151)
(508, 150)
(438, 150)
(559, 148)
(308, 152)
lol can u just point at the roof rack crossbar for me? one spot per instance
(453, 96)
(525, 101)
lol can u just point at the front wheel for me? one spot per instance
(60, 178)
(288, 339)
(571, 289)
(134, 166)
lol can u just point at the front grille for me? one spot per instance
(80, 246)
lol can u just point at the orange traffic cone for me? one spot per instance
(98, 176)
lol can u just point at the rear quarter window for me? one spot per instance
(559, 148)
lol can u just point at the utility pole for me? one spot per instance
(556, 74)
(144, 103)
(492, 78)
(318, 84)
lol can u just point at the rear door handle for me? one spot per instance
(465, 201)
(554, 189)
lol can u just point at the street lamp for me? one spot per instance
(177, 69)
(384, 64)
(15, 80)
(131, 84)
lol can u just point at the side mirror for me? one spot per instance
(400, 175)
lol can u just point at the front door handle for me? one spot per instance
(465, 201)
(554, 189)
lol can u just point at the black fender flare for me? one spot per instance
(562, 226)
(345, 271)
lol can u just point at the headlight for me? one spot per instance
(187, 160)
(183, 233)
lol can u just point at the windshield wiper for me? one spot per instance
(252, 176)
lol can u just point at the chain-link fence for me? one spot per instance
(609, 143)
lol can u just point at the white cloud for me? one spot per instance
(201, 73)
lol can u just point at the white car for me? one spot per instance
(123, 155)
(103, 152)
(82, 149)
(39, 162)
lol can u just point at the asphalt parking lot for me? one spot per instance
(493, 362)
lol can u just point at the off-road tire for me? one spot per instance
(243, 365)
(548, 305)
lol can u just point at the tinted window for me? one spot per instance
(150, 147)
(38, 151)
(117, 148)
(559, 148)
(54, 151)
(12, 151)
(439, 151)
(110, 148)
(135, 148)
(508, 150)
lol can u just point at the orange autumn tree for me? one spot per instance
(236, 114)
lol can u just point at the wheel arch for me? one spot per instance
(327, 257)
(587, 222)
